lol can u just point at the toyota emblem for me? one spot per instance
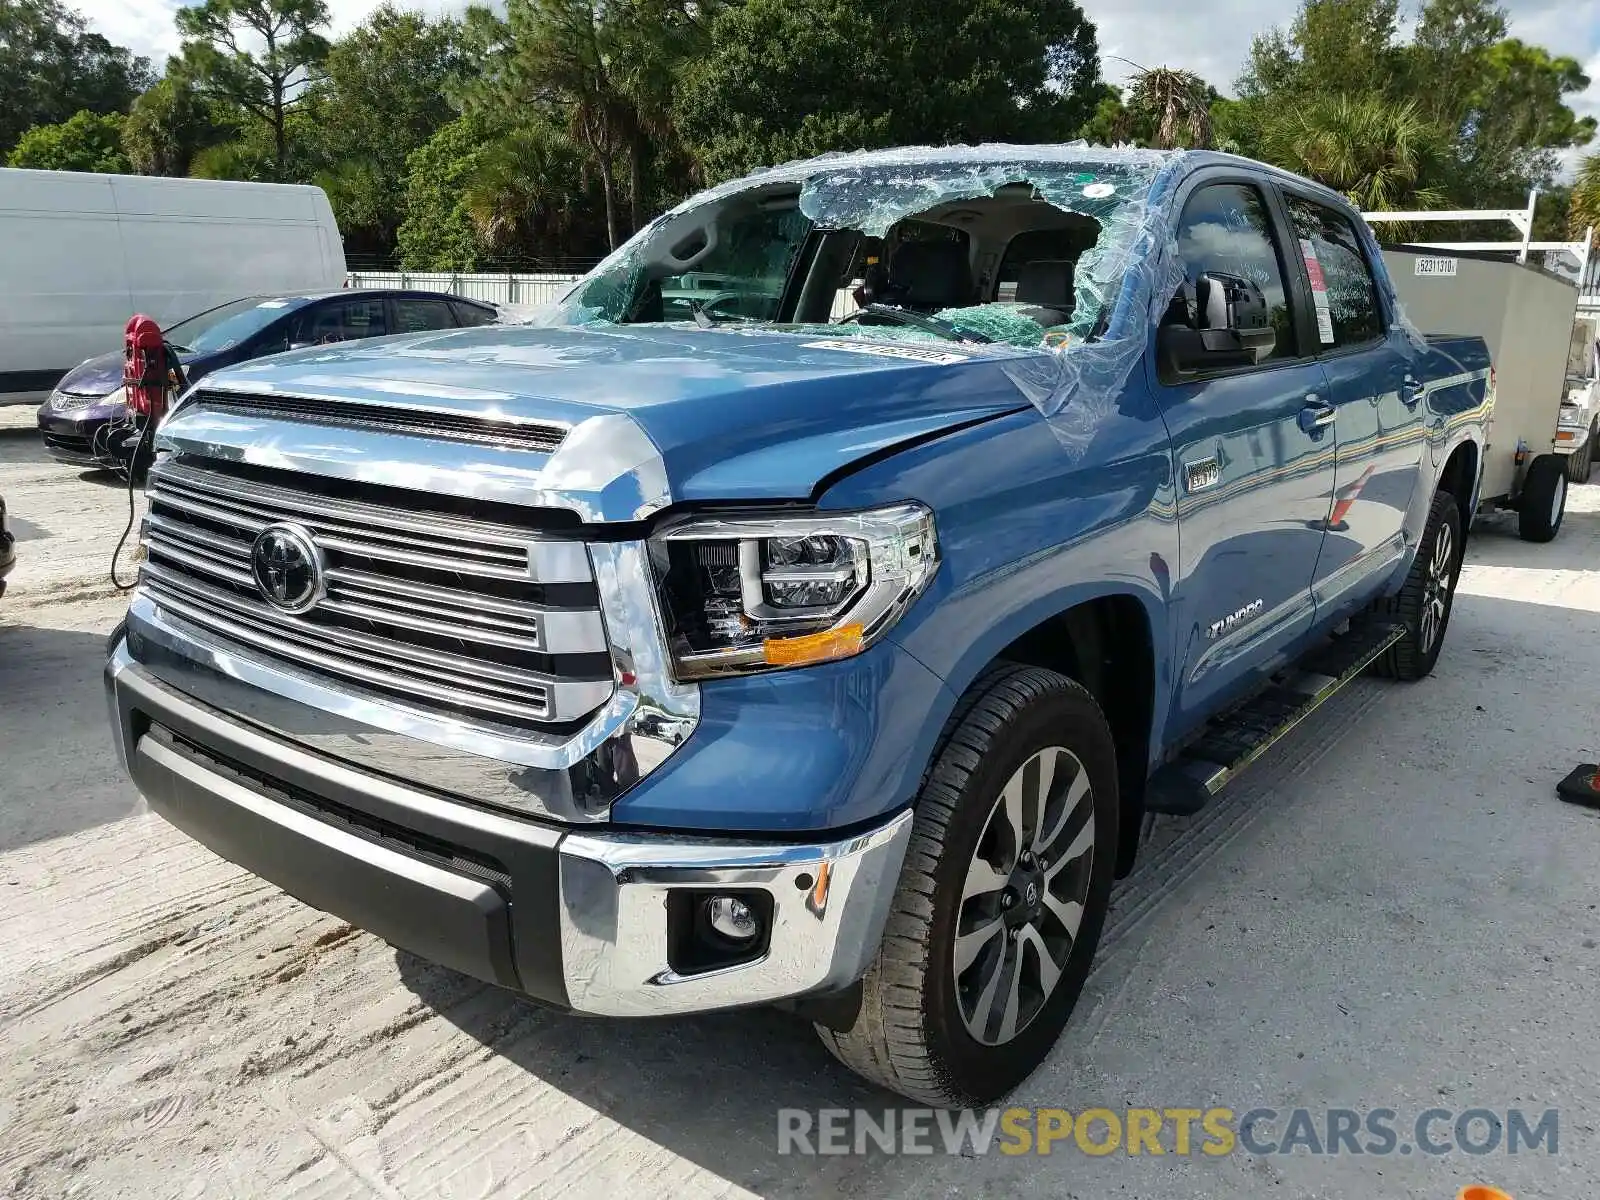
(287, 567)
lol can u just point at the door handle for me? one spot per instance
(1317, 415)
(1411, 391)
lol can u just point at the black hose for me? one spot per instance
(180, 384)
(133, 473)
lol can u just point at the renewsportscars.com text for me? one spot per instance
(1207, 1132)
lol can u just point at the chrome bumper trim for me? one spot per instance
(830, 904)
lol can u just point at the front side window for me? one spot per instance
(1342, 286)
(344, 321)
(1226, 229)
(744, 273)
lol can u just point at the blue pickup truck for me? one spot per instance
(829, 646)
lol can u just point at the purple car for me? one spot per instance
(87, 404)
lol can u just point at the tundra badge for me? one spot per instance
(1233, 620)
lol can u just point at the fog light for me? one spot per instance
(732, 918)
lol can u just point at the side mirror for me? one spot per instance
(1226, 325)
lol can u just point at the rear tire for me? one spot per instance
(1014, 843)
(1543, 503)
(1424, 604)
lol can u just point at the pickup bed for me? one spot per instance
(775, 656)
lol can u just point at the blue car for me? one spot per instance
(87, 404)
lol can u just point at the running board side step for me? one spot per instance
(1232, 742)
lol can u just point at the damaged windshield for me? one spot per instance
(1024, 246)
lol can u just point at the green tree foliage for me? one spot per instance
(787, 78)
(52, 66)
(260, 55)
(84, 142)
(1583, 212)
(605, 69)
(1377, 152)
(171, 123)
(384, 92)
(438, 233)
(1474, 118)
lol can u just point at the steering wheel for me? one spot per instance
(711, 307)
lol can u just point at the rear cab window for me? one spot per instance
(1342, 284)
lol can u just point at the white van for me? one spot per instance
(80, 254)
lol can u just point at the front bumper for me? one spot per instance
(581, 919)
(71, 437)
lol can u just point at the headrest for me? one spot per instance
(1047, 282)
(932, 274)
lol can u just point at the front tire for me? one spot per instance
(1543, 502)
(1578, 461)
(1001, 900)
(1426, 601)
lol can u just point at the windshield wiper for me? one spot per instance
(917, 321)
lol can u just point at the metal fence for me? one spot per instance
(531, 288)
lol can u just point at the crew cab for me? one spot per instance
(828, 647)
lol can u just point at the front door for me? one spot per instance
(1377, 400)
(1254, 454)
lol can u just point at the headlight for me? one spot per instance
(750, 593)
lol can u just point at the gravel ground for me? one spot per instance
(1392, 910)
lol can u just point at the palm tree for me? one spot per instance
(1178, 105)
(524, 186)
(1584, 212)
(1166, 107)
(1375, 151)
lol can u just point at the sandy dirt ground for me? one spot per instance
(1392, 910)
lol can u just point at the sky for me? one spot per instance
(1209, 37)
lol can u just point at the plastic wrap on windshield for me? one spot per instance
(1122, 285)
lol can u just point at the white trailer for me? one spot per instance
(1538, 441)
(82, 253)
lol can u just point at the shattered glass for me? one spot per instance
(1073, 374)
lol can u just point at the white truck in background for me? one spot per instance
(1580, 407)
(83, 252)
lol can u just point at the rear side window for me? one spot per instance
(472, 314)
(1226, 229)
(1342, 285)
(419, 316)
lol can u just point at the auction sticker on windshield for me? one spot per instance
(885, 350)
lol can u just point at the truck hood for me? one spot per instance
(728, 414)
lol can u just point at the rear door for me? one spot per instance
(1254, 462)
(1377, 400)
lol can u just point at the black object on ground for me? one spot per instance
(1582, 786)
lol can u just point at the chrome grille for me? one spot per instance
(486, 621)
(72, 401)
